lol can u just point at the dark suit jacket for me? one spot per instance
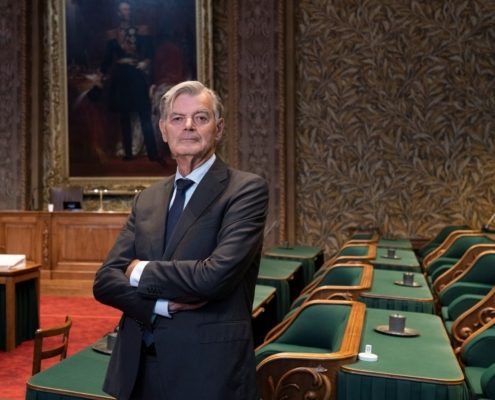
(212, 256)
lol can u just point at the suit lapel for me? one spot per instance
(210, 187)
(160, 218)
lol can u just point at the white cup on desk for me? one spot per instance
(50, 207)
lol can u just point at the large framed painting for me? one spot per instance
(109, 62)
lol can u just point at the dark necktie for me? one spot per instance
(173, 216)
(177, 206)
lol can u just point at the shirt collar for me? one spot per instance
(197, 174)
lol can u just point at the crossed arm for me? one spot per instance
(173, 306)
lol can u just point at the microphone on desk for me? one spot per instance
(268, 230)
(486, 227)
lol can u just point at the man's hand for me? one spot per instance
(130, 268)
(174, 307)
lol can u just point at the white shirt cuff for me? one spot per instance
(161, 305)
(161, 308)
(137, 272)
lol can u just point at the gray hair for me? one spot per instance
(192, 88)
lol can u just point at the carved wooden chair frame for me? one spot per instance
(474, 320)
(312, 373)
(462, 266)
(446, 244)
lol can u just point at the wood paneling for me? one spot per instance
(25, 233)
(68, 245)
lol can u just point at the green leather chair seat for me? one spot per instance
(363, 236)
(478, 357)
(440, 270)
(440, 262)
(335, 276)
(317, 328)
(355, 250)
(482, 270)
(488, 382)
(457, 289)
(473, 378)
(479, 352)
(451, 312)
(343, 276)
(460, 305)
(448, 326)
(439, 238)
(457, 250)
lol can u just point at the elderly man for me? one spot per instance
(184, 268)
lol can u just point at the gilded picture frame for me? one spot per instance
(62, 92)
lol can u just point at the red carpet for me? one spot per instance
(90, 321)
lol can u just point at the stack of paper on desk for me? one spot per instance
(11, 260)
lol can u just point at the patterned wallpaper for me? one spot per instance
(12, 105)
(395, 116)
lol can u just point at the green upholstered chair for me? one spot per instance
(439, 238)
(371, 236)
(440, 249)
(477, 357)
(457, 289)
(456, 308)
(466, 261)
(350, 253)
(479, 278)
(473, 319)
(343, 281)
(454, 251)
(321, 336)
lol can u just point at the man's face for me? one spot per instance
(125, 11)
(190, 128)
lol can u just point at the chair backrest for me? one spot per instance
(320, 325)
(316, 340)
(464, 263)
(463, 243)
(439, 238)
(58, 349)
(482, 270)
(343, 275)
(445, 246)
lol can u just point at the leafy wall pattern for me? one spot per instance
(12, 103)
(395, 116)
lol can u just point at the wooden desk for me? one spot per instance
(264, 312)
(79, 376)
(385, 294)
(286, 276)
(312, 258)
(11, 278)
(408, 368)
(395, 243)
(405, 260)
